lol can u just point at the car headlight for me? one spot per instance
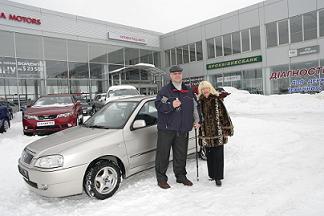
(26, 116)
(52, 161)
(64, 115)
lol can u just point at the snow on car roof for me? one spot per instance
(117, 87)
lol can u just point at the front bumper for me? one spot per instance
(30, 125)
(57, 183)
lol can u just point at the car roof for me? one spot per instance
(117, 87)
(136, 98)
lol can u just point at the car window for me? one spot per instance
(54, 101)
(148, 113)
(113, 115)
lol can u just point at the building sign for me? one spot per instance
(306, 85)
(232, 78)
(314, 71)
(21, 19)
(24, 68)
(234, 62)
(304, 51)
(302, 80)
(129, 37)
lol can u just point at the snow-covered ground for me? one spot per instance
(274, 165)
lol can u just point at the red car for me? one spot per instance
(51, 113)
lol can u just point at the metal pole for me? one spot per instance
(196, 138)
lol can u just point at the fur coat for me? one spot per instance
(216, 125)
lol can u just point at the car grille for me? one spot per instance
(33, 184)
(47, 117)
(26, 157)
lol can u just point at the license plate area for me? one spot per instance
(45, 123)
(23, 172)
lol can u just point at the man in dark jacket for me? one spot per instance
(177, 114)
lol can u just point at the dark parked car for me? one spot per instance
(9, 107)
(4, 119)
(51, 113)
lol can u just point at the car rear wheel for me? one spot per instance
(102, 180)
(5, 126)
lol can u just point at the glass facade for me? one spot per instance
(250, 80)
(45, 65)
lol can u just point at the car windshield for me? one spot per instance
(122, 92)
(112, 116)
(53, 101)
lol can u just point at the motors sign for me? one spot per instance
(127, 37)
(18, 18)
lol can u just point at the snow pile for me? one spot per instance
(274, 165)
(240, 101)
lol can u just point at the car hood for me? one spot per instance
(58, 142)
(48, 110)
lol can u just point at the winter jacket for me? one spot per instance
(180, 119)
(217, 124)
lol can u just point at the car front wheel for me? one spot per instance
(102, 180)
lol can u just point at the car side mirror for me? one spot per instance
(139, 124)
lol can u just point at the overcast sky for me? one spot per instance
(161, 16)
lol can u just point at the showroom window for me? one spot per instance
(199, 51)
(78, 70)
(296, 29)
(115, 55)
(271, 31)
(56, 69)
(173, 57)
(146, 56)
(179, 55)
(55, 49)
(227, 44)
(255, 38)
(219, 46)
(192, 52)
(283, 32)
(167, 58)
(98, 53)
(185, 54)
(77, 51)
(236, 41)
(98, 71)
(245, 35)
(131, 56)
(210, 48)
(29, 46)
(310, 25)
(321, 23)
(7, 44)
(157, 59)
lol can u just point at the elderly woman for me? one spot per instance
(215, 129)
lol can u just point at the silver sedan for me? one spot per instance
(117, 142)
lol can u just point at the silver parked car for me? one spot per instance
(116, 142)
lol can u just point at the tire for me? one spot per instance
(102, 180)
(202, 153)
(5, 126)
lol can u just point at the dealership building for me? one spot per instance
(273, 47)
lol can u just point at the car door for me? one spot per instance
(141, 143)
